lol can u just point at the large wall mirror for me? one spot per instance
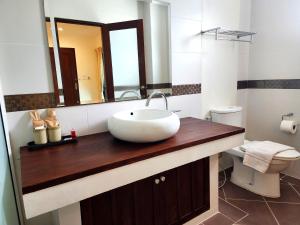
(104, 52)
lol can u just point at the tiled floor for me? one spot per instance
(241, 207)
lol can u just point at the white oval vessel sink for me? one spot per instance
(144, 125)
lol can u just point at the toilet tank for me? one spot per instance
(230, 115)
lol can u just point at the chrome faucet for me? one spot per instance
(157, 93)
(130, 91)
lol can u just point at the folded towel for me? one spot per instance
(259, 154)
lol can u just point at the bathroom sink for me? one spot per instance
(144, 125)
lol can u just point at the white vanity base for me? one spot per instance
(65, 197)
(71, 214)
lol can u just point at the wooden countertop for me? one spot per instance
(99, 152)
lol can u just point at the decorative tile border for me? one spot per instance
(242, 84)
(29, 101)
(23, 102)
(149, 87)
(186, 89)
(159, 86)
(269, 84)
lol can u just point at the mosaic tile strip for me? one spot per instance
(269, 84)
(159, 86)
(186, 89)
(29, 101)
(242, 84)
(47, 100)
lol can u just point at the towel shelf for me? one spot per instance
(235, 35)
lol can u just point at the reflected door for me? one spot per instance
(8, 208)
(69, 76)
(126, 61)
(70, 90)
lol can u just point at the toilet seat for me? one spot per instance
(289, 155)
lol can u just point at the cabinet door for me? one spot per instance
(144, 201)
(200, 173)
(184, 186)
(166, 202)
(193, 189)
(170, 198)
(115, 207)
(97, 210)
(123, 205)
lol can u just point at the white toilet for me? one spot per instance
(265, 184)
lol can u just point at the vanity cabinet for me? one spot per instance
(169, 198)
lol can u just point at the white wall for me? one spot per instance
(274, 54)
(276, 50)
(243, 56)
(221, 61)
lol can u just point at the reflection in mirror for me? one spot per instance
(125, 72)
(57, 83)
(157, 45)
(125, 58)
(81, 63)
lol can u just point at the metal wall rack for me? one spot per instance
(234, 35)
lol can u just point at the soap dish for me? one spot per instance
(64, 140)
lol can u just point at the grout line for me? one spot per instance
(288, 203)
(239, 220)
(271, 211)
(247, 200)
(297, 178)
(224, 194)
(292, 186)
(211, 216)
(227, 217)
(221, 198)
(236, 207)
(292, 183)
(281, 178)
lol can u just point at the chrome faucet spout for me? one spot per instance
(130, 91)
(160, 94)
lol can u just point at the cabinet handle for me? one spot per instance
(162, 178)
(156, 181)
